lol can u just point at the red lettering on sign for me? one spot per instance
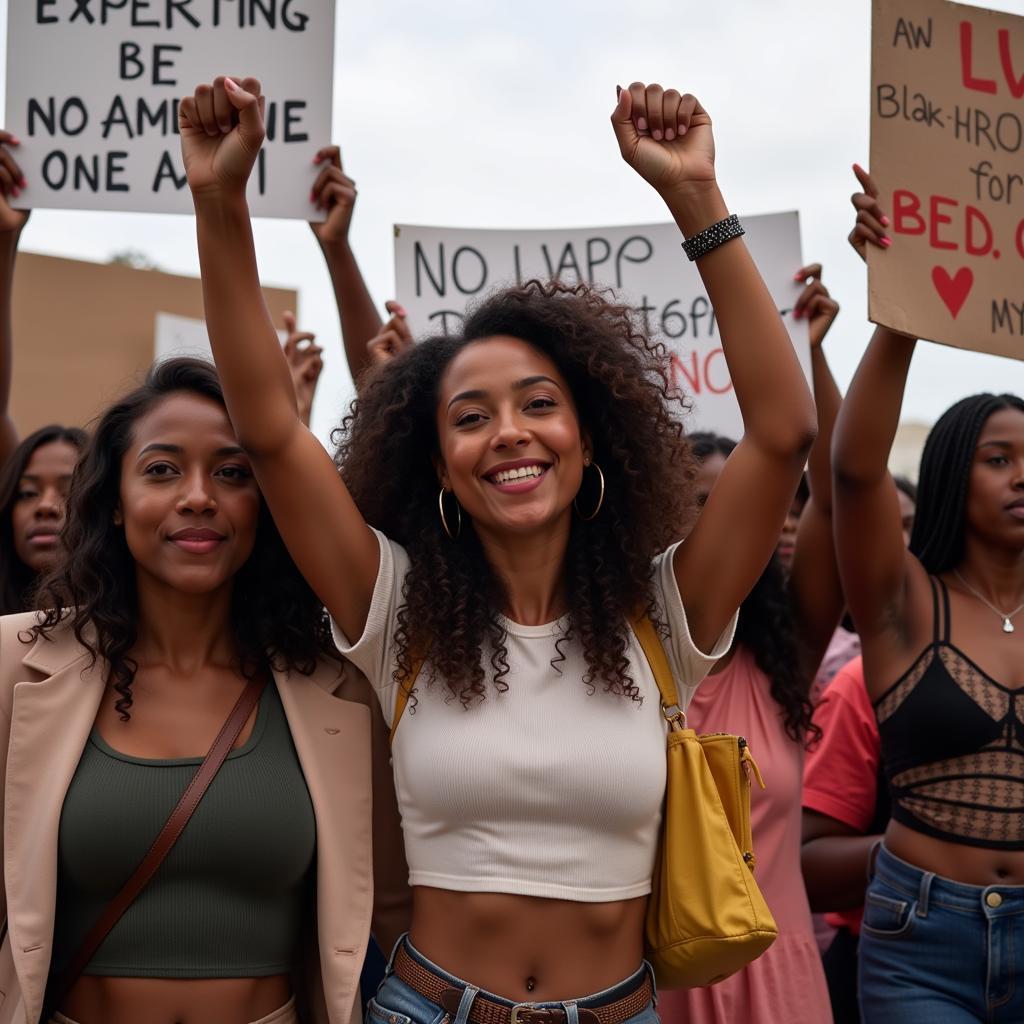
(1006, 58)
(976, 219)
(966, 63)
(906, 207)
(937, 219)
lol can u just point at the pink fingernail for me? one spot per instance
(15, 142)
(885, 221)
(682, 129)
(798, 277)
(886, 241)
(400, 310)
(669, 134)
(23, 183)
(642, 124)
(657, 135)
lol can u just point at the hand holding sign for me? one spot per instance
(665, 137)
(871, 218)
(11, 183)
(334, 192)
(222, 130)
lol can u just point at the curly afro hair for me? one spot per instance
(631, 410)
(276, 618)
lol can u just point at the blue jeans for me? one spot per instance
(934, 951)
(397, 1003)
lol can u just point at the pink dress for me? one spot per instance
(787, 983)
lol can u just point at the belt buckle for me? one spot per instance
(531, 1013)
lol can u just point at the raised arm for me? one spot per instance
(814, 586)
(11, 223)
(667, 139)
(335, 192)
(873, 562)
(222, 130)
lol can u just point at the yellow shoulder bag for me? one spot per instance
(706, 917)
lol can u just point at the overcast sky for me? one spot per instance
(495, 114)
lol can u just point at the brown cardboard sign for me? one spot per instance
(947, 152)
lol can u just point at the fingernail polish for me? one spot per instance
(669, 134)
(642, 124)
(400, 310)
(656, 135)
(886, 241)
(885, 221)
(23, 183)
(682, 129)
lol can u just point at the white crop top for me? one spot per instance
(542, 790)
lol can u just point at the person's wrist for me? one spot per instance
(333, 245)
(696, 205)
(218, 199)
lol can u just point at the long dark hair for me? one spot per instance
(940, 520)
(275, 617)
(619, 381)
(766, 627)
(17, 580)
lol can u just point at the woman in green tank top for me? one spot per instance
(177, 591)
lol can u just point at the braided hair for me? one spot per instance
(944, 480)
(766, 627)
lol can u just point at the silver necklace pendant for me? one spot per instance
(1007, 625)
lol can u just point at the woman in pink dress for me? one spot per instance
(761, 691)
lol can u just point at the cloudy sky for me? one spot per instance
(495, 114)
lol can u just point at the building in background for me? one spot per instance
(84, 332)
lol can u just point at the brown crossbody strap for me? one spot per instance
(165, 841)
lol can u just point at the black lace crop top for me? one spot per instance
(953, 745)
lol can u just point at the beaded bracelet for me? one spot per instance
(710, 238)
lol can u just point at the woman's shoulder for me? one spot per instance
(26, 654)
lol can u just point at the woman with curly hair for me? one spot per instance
(176, 591)
(33, 492)
(510, 499)
(940, 624)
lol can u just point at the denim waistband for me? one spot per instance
(927, 887)
(609, 995)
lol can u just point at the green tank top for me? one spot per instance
(232, 895)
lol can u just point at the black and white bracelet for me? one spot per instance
(710, 238)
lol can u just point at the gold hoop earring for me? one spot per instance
(444, 520)
(600, 496)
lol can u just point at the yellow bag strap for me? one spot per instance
(653, 650)
(402, 697)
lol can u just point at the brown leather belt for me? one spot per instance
(486, 1011)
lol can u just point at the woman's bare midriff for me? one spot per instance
(96, 1000)
(526, 948)
(971, 865)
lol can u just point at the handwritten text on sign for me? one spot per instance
(93, 89)
(947, 150)
(438, 271)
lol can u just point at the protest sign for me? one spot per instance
(947, 151)
(93, 89)
(439, 270)
(185, 336)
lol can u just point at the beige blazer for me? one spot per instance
(49, 697)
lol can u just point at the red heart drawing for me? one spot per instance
(953, 290)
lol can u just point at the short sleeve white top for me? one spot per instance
(548, 789)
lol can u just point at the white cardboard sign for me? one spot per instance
(93, 89)
(438, 271)
(175, 335)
